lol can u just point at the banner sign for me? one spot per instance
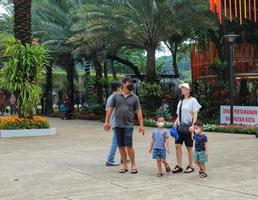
(245, 115)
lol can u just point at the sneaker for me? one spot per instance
(112, 164)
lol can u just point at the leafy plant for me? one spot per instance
(150, 94)
(21, 73)
(163, 111)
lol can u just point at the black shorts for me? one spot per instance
(185, 138)
(124, 137)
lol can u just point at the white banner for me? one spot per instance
(245, 115)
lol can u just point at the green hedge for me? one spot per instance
(211, 127)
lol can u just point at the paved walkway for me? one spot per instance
(70, 166)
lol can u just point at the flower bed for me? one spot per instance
(14, 123)
(230, 129)
(211, 127)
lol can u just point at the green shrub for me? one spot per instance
(150, 94)
(152, 123)
(21, 73)
(163, 111)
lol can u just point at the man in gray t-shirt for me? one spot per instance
(126, 105)
(116, 88)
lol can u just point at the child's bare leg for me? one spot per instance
(164, 162)
(203, 167)
(199, 165)
(159, 166)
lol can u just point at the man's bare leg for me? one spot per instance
(122, 151)
(131, 154)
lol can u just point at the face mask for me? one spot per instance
(197, 131)
(161, 124)
(130, 87)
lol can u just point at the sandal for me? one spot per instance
(189, 170)
(122, 171)
(203, 175)
(177, 169)
(167, 167)
(160, 175)
(134, 171)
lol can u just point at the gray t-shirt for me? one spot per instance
(125, 108)
(160, 138)
(112, 120)
(189, 107)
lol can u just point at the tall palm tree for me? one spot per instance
(191, 16)
(142, 24)
(22, 20)
(52, 22)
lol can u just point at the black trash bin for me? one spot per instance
(257, 132)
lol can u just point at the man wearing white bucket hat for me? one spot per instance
(187, 111)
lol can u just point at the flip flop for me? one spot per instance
(191, 170)
(134, 171)
(203, 175)
(160, 175)
(122, 171)
(177, 169)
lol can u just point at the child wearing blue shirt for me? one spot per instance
(201, 148)
(160, 146)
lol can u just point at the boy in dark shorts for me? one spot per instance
(160, 146)
(201, 148)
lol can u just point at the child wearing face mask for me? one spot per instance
(201, 148)
(160, 146)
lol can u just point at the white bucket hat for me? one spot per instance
(185, 85)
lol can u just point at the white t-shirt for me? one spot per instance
(189, 107)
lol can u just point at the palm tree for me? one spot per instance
(22, 20)
(52, 22)
(191, 16)
(6, 20)
(139, 24)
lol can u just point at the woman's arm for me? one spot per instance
(177, 122)
(195, 116)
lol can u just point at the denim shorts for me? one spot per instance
(159, 154)
(200, 157)
(124, 137)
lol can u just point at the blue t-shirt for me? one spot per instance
(159, 137)
(200, 141)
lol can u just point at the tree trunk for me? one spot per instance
(106, 79)
(151, 66)
(127, 63)
(22, 20)
(174, 56)
(49, 90)
(98, 84)
(70, 76)
(113, 69)
(218, 42)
